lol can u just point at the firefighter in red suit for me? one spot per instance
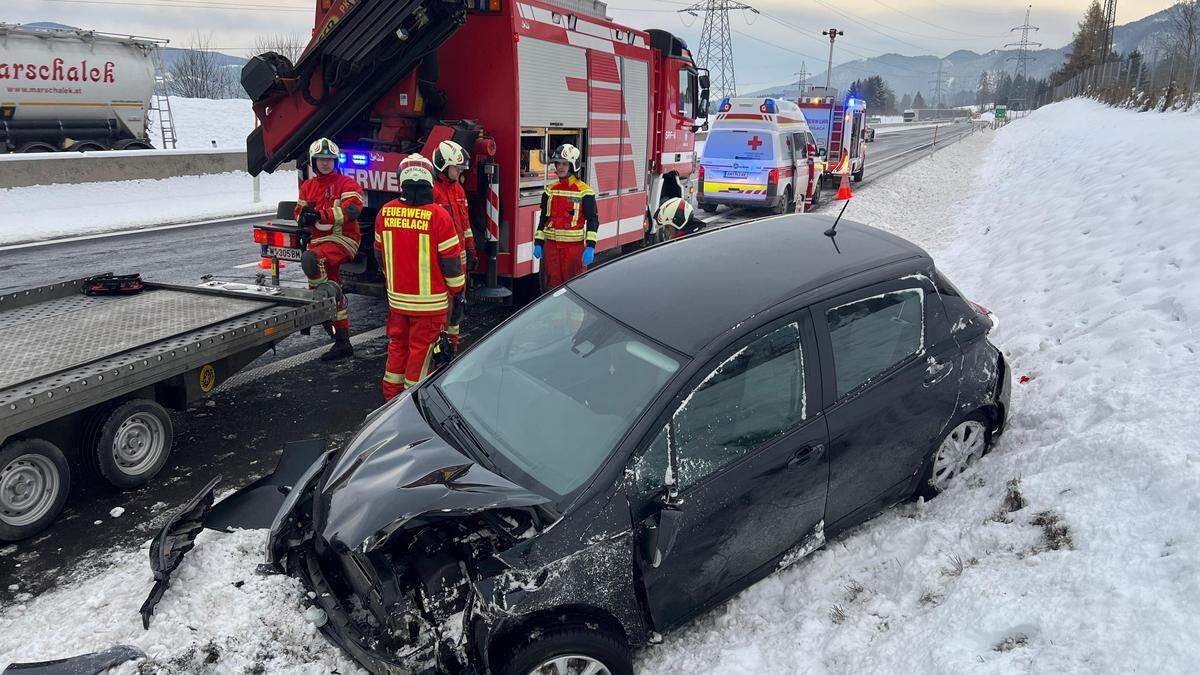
(419, 252)
(449, 162)
(678, 218)
(329, 205)
(565, 240)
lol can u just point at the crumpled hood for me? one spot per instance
(398, 468)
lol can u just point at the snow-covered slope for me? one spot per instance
(1073, 547)
(201, 121)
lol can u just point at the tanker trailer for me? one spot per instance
(73, 90)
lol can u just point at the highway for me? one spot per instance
(241, 429)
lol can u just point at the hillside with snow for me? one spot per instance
(1071, 547)
(203, 123)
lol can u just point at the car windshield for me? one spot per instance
(555, 389)
(730, 144)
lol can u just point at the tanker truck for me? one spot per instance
(74, 90)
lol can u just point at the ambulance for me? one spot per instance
(760, 153)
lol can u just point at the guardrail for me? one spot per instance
(91, 167)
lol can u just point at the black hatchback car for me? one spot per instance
(639, 445)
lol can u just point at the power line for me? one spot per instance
(927, 23)
(716, 45)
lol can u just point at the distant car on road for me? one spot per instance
(598, 470)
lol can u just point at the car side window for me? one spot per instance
(753, 396)
(871, 335)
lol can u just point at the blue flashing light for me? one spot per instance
(359, 159)
(341, 159)
(768, 106)
(725, 105)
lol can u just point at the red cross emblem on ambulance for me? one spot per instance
(755, 143)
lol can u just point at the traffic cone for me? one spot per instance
(844, 189)
(265, 264)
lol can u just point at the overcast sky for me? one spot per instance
(788, 34)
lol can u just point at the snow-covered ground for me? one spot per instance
(199, 122)
(91, 208)
(1073, 547)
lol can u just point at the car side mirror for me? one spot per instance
(659, 533)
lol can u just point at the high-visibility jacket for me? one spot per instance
(568, 213)
(420, 257)
(338, 199)
(450, 195)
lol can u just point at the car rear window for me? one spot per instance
(873, 334)
(749, 145)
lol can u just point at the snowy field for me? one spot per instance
(201, 122)
(1072, 548)
(91, 208)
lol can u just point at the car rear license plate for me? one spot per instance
(283, 253)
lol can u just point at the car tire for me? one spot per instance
(963, 444)
(568, 646)
(127, 444)
(35, 480)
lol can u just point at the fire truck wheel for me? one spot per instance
(285, 211)
(128, 443)
(34, 482)
(708, 208)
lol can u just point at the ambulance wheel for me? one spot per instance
(128, 443)
(816, 198)
(784, 205)
(285, 211)
(34, 482)
(708, 208)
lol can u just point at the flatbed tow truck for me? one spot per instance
(85, 380)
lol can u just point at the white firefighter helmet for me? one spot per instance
(675, 212)
(569, 154)
(415, 168)
(448, 154)
(323, 148)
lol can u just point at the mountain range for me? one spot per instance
(169, 54)
(961, 69)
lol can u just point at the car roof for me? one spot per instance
(688, 292)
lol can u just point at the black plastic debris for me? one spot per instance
(173, 542)
(85, 664)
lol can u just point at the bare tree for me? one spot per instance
(290, 45)
(198, 72)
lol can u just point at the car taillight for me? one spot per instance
(980, 308)
(987, 313)
(773, 177)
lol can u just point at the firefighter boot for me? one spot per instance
(341, 348)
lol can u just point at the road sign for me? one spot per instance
(1001, 112)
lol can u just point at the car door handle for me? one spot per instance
(805, 453)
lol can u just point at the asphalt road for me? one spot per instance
(240, 431)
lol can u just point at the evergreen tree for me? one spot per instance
(983, 94)
(918, 101)
(1087, 46)
(906, 103)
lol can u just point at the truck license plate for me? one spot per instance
(284, 253)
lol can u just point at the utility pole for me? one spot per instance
(716, 43)
(1023, 58)
(1110, 26)
(803, 80)
(939, 86)
(833, 34)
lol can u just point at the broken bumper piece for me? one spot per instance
(86, 664)
(173, 542)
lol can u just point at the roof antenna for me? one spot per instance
(832, 231)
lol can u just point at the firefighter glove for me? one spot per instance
(589, 254)
(471, 260)
(308, 217)
(537, 251)
(443, 350)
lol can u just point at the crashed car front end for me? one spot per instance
(392, 537)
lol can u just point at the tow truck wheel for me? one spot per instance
(34, 482)
(568, 650)
(129, 443)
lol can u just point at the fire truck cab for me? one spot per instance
(509, 80)
(840, 127)
(760, 153)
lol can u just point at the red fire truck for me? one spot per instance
(509, 80)
(840, 127)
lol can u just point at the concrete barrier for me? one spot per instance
(91, 167)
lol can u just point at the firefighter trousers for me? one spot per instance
(330, 258)
(410, 349)
(562, 261)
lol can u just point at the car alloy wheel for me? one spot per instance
(571, 664)
(962, 447)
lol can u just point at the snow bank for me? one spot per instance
(91, 208)
(200, 121)
(219, 616)
(1091, 264)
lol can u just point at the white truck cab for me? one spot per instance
(760, 153)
